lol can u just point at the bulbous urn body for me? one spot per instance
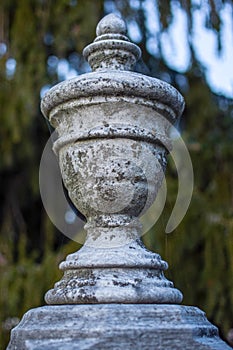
(114, 173)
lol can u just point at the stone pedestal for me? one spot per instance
(116, 326)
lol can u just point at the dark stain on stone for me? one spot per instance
(150, 275)
(86, 298)
(121, 284)
(137, 280)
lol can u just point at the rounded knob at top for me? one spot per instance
(111, 24)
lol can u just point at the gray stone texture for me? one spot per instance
(113, 137)
(116, 326)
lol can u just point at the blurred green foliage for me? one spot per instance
(200, 250)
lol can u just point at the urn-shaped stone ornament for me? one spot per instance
(113, 138)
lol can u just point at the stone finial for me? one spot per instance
(112, 48)
(113, 136)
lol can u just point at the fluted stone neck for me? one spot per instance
(112, 49)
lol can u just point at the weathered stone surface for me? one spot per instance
(113, 137)
(124, 274)
(115, 326)
(113, 86)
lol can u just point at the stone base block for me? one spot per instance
(115, 326)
